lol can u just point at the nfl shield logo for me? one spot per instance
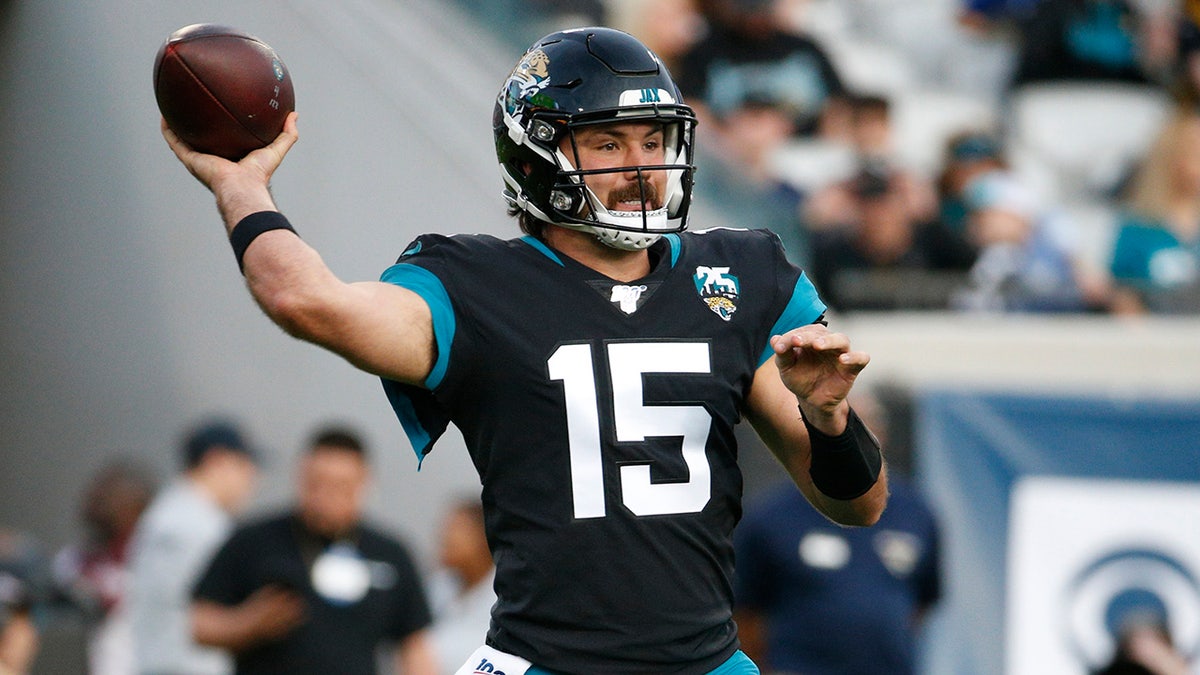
(718, 289)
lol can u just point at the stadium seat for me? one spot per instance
(1082, 136)
(810, 164)
(923, 119)
(868, 67)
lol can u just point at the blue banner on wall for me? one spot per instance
(1060, 517)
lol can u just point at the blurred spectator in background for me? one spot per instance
(884, 257)
(967, 155)
(1145, 647)
(813, 598)
(1187, 83)
(24, 591)
(978, 12)
(750, 56)
(94, 573)
(669, 28)
(548, 16)
(1028, 259)
(461, 593)
(870, 137)
(174, 539)
(1111, 40)
(315, 589)
(1156, 255)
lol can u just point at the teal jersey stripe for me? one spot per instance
(738, 664)
(425, 284)
(406, 412)
(537, 243)
(676, 245)
(804, 308)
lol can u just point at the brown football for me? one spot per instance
(223, 91)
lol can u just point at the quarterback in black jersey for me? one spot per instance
(596, 366)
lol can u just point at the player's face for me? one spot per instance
(621, 145)
(333, 485)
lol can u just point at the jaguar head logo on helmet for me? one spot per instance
(579, 87)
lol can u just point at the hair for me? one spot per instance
(338, 438)
(528, 223)
(1150, 187)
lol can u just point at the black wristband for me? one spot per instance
(248, 229)
(845, 466)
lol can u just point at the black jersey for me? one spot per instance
(600, 417)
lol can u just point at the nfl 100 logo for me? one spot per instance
(1088, 558)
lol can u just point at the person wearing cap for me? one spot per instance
(175, 538)
(967, 155)
(752, 59)
(883, 256)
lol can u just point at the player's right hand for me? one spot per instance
(243, 187)
(258, 165)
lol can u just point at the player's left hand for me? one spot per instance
(818, 366)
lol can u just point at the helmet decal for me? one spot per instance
(644, 97)
(530, 76)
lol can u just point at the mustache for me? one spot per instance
(642, 191)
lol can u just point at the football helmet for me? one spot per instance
(583, 77)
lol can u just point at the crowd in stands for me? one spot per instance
(970, 155)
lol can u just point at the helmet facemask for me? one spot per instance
(658, 189)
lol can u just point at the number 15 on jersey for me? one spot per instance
(634, 422)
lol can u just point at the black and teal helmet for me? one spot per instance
(581, 77)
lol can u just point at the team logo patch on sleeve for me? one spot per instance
(718, 289)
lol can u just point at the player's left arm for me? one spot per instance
(811, 374)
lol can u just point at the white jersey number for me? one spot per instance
(634, 422)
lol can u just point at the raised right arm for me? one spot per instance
(380, 328)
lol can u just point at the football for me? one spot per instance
(223, 91)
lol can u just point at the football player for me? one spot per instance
(596, 366)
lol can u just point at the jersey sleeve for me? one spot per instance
(799, 302)
(423, 418)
